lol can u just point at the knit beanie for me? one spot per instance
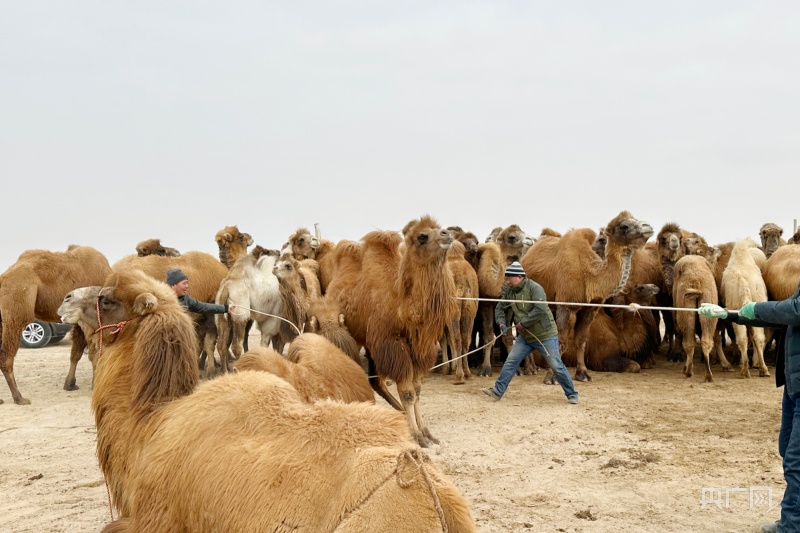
(514, 269)
(175, 276)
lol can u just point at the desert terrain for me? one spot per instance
(641, 452)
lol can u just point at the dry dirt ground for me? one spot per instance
(641, 452)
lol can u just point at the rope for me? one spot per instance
(101, 327)
(298, 330)
(461, 356)
(417, 457)
(632, 306)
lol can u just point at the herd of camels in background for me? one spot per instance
(393, 301)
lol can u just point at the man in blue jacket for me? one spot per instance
(785, 315)
(536, 330)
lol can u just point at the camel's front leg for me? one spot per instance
(583, 321)
(75, 354)
(421, 424)
(408, 397)
(487, 329)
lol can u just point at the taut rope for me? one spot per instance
(632, 306)
(298, 330)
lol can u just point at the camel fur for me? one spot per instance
(570, 271)
(32, 288)
(154, 247)
(694, 284)
(232, 245)
(782, 272)
(244, 452)
(250, 284)
(326, 319)
(298, 282)
(742, 283)
(396, 305)
(316, 368)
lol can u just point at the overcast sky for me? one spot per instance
(121, 121)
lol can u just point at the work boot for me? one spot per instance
(491, 392)
(573, 399)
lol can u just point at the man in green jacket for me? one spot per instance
(536, 330)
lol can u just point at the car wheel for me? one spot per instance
(36, 334)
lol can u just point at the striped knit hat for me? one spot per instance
(514, 269)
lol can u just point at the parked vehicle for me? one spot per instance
(38, 334)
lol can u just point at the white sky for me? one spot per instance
(121, 121)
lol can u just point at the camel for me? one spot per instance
(173, 452)
(794, 239)
(509, 245)
(316, 368)
(298, 283)
(694, 284)
(32, 288)
(570, 271)
(770, 234)
(470, 243)
(154, 247)
(232, 245)
(669, 247)
(691, 242)
(303, 245)
(457, 334)
(619, 338)
(326, 319)
(782, 272)
(250, 284)
(396, 304)
(599, 244)
(742, 283)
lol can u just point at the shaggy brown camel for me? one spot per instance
(249, 285)
(694, 284)
(509, 245)
(326, 319)
(303, 245)
(782, 272)
(470, 242)
(770, 234)
(232, 245)
(316, 368)
(619, 338)
(742, 283)
(32, 288)
(455, 341)
(298, 283)
(154, 247)
(669, 248)
(396, 305)
(570, 271)
(173, 452)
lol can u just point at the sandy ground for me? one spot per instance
(641, 452)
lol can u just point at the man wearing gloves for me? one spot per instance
(535, 327)
(785, 315)
(179, 282)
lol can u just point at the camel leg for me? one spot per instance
(8, 351)
(408, 397)
(378, 384)
(454, 339)
(583, 320)
(707, 343)
(465, 329)
(421, 424)
(487, 328)
(223, 343)
(740, 334)
(759, 343)
(687, 343)
(75, 354)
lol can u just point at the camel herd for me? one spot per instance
(350, 317)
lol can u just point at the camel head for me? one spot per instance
(286, 270)
(492, 237)
(80, 307)
(599, 244)
(692, 242)
(514, 242)
(643, 293)
(709, 253)
(468, 239)
(154, 247)
(426, 239)
(302, 245)
(794, 239)
(627, 232)
(669, 242)
(770, 237)
(232, 244)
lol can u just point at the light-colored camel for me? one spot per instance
(742, 283)
(178, 456)
(770, 235)
(396, 305)
(570, 271)
(316, 368)
(249, 285)
(232, 245)
(32, 288)
(691, 241)
(782, 272)
(509, 245)
(154, 247)
(619, 338)
(455, 341)
(694, 284)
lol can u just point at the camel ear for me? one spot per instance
(246, 238)
(227, 236)
(313, 324)
(145, 303)
(341, 319)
